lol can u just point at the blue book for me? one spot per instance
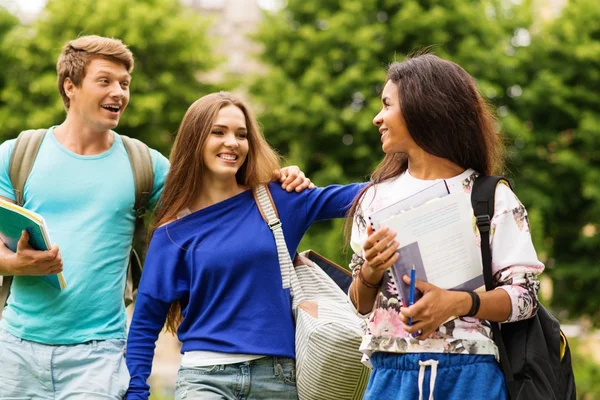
(13, 221)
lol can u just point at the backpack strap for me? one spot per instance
(268, 210)
(22, 159)
(28, 145)
(143, 178)
(143, 172)
(483, 196)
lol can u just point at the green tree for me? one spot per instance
(170, 47)
(586, 370)
(556, 152)
(7, 23)
(327, 64)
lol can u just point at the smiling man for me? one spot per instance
(70, 344)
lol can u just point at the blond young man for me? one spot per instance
(70, 344)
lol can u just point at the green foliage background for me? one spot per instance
(325, 62)
(557, 164)
(170, 46)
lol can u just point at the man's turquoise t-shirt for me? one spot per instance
(87, 202)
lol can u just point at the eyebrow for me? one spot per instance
(241, 128)
(105, 72)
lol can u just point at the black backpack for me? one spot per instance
(534, 353)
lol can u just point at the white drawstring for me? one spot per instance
(422, 366)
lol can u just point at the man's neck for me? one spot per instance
(214, 191)
(82, 139)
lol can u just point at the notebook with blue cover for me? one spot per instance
(13, 221)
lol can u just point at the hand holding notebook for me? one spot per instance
(434, 229)
(437, 239)
(14, 220)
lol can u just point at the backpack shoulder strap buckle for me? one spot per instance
(140, 212)
(275, 224)
(483, 223)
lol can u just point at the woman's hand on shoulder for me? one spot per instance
(434, 308)
(292, 178)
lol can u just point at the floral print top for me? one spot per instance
(515, 268)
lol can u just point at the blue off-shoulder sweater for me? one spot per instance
(221, 264)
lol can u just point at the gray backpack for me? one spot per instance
(21, 162)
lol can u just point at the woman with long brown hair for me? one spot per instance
(212, 269)
(434, 125)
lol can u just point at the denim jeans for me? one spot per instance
(267, 378)
(93, 370)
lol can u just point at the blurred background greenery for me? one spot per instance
(313, 70)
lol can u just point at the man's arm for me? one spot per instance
(26, 260)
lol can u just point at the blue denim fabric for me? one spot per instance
(267, 378)
(93, 370)
(459, 377)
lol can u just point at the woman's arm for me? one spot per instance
(148, 319)
(362, 296)
(515, 265)
(380, 253)
(165, 280)
(329, 202)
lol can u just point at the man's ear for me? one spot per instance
(68, 87)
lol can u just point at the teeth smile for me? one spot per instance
(228, 157)
(111, 108)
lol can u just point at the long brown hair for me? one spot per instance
(445, 115)
(184, 181)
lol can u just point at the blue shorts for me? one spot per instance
(414, 376)
(93, 370)
(267, 378)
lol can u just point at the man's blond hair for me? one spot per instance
(77, 54)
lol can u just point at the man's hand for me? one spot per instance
(292, 178)
(27, 261)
